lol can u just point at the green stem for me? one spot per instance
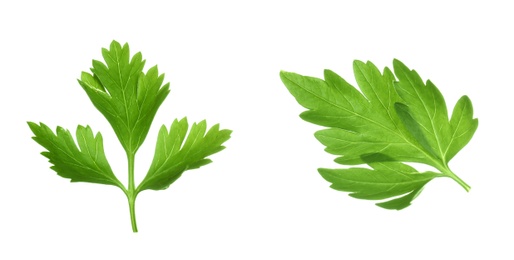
(131, 193)
(132, 202)
(456, 178)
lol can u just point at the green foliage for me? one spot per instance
(394, 118)
(129, 100)
(85, 163)
(175, 153)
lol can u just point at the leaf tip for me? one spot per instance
(283, 74)
(357, 62)
(31, 124)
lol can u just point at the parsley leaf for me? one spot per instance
(85, 163)
(127, 97)
(175, 153)
(384, 180)
(129, 100)
(394, 118)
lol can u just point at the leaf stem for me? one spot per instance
(132, 205)
(456, 178)
(131, 194)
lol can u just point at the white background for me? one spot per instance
(262, 198)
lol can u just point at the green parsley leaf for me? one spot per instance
(384, 180)
(425, 115)
(85, 163)
(127, 97)
(394, 118)
(129, 100)
(174, 153)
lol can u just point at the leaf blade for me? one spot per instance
(463, 127)
(361, 124)
(83, 163)
(388, 121)
(127, 97)
(175, 153)
(384, 181)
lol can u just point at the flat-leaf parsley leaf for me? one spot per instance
(395, 118)
(129, 100)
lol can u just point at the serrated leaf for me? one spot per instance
(401, 202)
(426, 114)
(360, 123)
(129, 100)
(83, 163)
(386, 123)
(174, 153)
(463, 127)
(384, 181)
(127, 97)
